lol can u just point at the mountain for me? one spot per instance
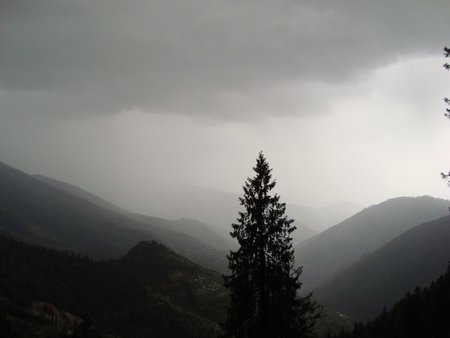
(151, 291)
(209, 205)
(421, 313)
(412, 259)
(187, 226)
(214, 207)
(74, 190)
(302, 233)
(334, 249)
(321, 218)
(40, 213)
(220, 209)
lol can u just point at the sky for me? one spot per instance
(125, 98)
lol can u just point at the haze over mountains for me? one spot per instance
(80, 193)
(40, 213)
(187, 226)
(216, 208)
(220, 209)
(336, 248)
(413, 259)
(57, 214)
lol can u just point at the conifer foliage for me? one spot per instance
(446, 176)
(263, 281)
(422, 313)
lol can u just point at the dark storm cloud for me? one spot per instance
(78, 58)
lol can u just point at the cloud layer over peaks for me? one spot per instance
(222, 59)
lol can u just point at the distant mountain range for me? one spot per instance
(220, 209)
(336, 248)
(56, 216)
(187, 226)
(74, 190)
(150, 292)
(321, 218)
(412, 259)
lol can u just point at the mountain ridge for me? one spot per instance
(334, 249)
(412, 259)
(42, 214)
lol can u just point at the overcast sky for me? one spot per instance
(344, 97)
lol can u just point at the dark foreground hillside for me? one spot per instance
(423, 313)
(150, 292)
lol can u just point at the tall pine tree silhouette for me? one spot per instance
(263, 282)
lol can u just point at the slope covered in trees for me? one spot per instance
(43, 214)
(420, 313)
(338, 247)
(151, 291)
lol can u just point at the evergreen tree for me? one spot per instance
(263, 282)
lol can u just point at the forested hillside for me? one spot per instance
(151, 291)
(420, 313)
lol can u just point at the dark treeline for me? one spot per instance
(421, 313)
